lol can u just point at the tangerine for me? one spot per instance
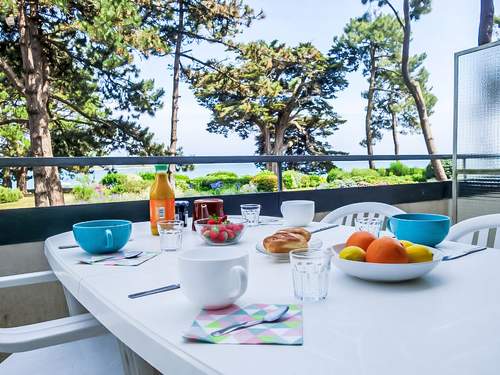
(360, 239)
(386, 250)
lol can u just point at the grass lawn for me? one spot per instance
(29, 201)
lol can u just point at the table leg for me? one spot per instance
(74, 307)
(133, 364)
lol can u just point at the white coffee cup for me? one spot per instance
(298, 213)
(213, 278)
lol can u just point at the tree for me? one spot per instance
(196, 21)
(280, 94)
(413, 10)
(374, 42)
(486, 22)
(70, 64)
(394, 107)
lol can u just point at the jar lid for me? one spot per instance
(160, 167)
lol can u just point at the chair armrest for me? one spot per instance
(52, 332)
(27, 279)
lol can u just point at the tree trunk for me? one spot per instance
(369, 107)
(6, 178)
(394, 122)
(21, 179)
(486, 20)
(416, 93)
(175, 88)
(266, 144)
(48, 190)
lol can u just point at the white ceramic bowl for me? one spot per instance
(382, 271)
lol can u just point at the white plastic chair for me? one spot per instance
(347, 215)
(482, 230)
(57, 347)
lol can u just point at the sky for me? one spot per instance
(450, 27)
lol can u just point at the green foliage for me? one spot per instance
(447, 165)
(217, 180)
(297, 180)
(336, 174)
(398, 169)
(132, 186)
(8, 195)
(147, 176)
(181, 177)
(113, 179)
(90, 49)
(278, 93)
(265, 181)
(362, 172)
(83, 193)
(292, 179)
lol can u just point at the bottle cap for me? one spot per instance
(160, 168)
(182, 203)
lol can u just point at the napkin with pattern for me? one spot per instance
(287, 331)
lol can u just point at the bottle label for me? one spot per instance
(161, 209)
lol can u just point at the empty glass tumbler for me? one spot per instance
(170, 232)
(250, 212)
(310, 274)
(369, 224)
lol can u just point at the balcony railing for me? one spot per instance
(36, 224)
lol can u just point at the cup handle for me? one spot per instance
(242, 275)
(109, 239)
(389, 225)
(283, 210)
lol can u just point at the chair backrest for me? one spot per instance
(347, 215)
(482, 230)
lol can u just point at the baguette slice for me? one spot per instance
(284, 242)
(300, 231)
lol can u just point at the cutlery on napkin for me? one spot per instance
(270, 317)
(286, 331)
(99, 258)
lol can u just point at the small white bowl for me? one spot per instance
(384, 271)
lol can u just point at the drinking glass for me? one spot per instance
(170, 232)
(310, 274)
(250, 212)
(372, 225)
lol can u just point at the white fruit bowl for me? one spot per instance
(383, 271)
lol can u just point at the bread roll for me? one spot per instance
(301, 231)
(284, 242)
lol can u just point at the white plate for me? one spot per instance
(382, 271)
(314, 243)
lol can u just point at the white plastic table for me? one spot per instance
(445, 323)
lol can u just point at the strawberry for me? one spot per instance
(213, 235)
(212, 221)
(230, 234)
(222, 237)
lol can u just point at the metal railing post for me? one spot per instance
(280, 176)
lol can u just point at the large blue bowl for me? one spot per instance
(102, 236)
(425, 229)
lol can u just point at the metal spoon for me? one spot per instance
(270, 317)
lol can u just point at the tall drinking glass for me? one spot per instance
(310, 274)
(372, 225)
(170, 232)
(250, 212)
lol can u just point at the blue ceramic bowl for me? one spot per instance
(102, 236)
(424, 229)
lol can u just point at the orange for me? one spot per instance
(360, 239)
(386, 250)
